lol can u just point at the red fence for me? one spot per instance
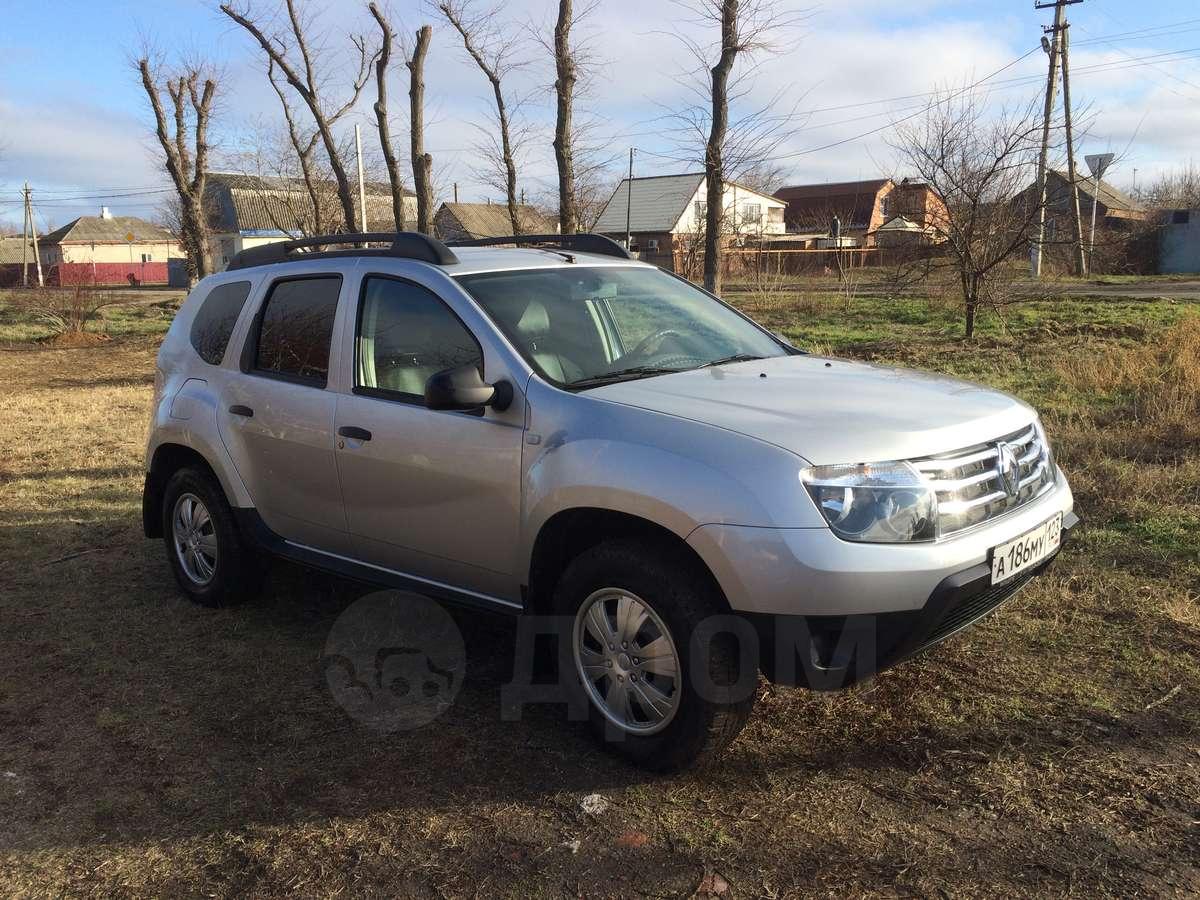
(108, 273)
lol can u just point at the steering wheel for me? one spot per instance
(658, 336)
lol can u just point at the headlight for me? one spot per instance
(878, 503)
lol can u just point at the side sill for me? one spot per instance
(254, 529)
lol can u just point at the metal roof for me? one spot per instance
(657, 203)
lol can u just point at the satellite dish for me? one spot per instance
(1098, 163)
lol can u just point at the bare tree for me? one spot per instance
(381, 116)
(304, 80)
(978, 161)
(494, 52)
(564, 91)
(422, 162)
(1177, 189)
(733, 144)
(183, 137)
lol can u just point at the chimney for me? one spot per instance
(105, 213)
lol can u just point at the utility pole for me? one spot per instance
(629, 199)
(29, 236)
(362, 182)
(25, 238)
(1080, 264)
(1052, 49)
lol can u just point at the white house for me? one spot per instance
(667, 211)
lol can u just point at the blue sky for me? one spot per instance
(73, 120)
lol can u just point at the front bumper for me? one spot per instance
(812, 572)
(834, 652)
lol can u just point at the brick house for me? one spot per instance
(862, 207)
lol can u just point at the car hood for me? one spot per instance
(829, 410)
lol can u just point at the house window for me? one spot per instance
(652, 245)
(752, 212)
(885, 206)
(147, 257)
(1181, 217)
(701, 209)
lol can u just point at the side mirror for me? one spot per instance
(463, 389)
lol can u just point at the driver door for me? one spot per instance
(429, 493)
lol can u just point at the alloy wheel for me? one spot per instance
(195, 538)
(627, 661)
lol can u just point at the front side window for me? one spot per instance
(405, 335)
(752, 213)
(213, 325)
(581, 327)
(296, 329)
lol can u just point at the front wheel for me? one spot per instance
(665, 688)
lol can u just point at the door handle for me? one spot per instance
(353, 431)
(238, 410)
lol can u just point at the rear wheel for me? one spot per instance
(664, 689)
(211, 562)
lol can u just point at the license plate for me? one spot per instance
(1027, 551)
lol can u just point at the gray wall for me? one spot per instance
(1179, 243)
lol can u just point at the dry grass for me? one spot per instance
(148, 747)
(1159, 381)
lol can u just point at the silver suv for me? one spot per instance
(554, 429)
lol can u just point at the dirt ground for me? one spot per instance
(149, 747)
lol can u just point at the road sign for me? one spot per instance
(1098, 163)
(129, 238)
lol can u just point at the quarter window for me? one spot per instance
(405, 335)
(296, 328)
(213, 325)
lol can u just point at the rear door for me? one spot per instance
(277, 415)
(435, 494)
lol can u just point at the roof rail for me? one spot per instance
(404, 245)
(581, 243)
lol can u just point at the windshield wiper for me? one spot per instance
(736, 358)
(633, 372)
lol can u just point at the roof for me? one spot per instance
(254, 203)
(484, 220)
(900, 223)
(1105, 193)
(657, 203)
(852, 201)
(89, 229)
(10, 249)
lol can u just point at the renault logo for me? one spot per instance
(1009, 468)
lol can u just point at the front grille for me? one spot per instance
(977, 607)
(972, 486)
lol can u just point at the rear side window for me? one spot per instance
(215, 319)
(296, 328)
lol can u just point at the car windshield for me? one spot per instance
(584, 326)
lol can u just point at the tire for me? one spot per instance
(220, 569)
(702, 720)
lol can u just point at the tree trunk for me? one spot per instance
(564, 87)
(510, 167)
(381, 118)
(714, 169)
(307, 89)
(187, 166)
(422, 162)
(492, 71)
